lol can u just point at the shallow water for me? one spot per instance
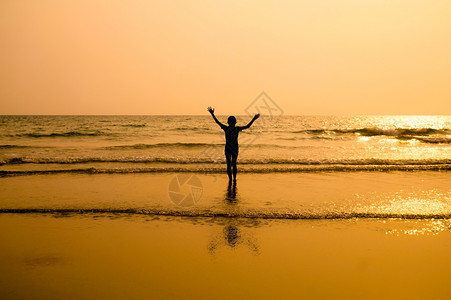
(325, 195)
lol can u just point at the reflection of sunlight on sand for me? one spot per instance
(414, 205)
(424, 207)
(423, 203)
(422, 227)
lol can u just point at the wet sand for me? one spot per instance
(101, 238)
(117, 257)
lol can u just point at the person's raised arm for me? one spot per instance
(251, 122)
(212, 112)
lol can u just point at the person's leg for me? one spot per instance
(234, 158)
(229, 165)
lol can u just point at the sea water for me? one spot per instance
(289, 167)
(196, 144)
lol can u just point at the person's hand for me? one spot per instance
(211, 110)
(256, 116)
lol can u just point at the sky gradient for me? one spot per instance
(312, 57)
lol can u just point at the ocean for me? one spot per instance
(134, 144)
(289, 167)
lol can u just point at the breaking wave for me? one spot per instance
(434, 140)
(244, 214)
(187, 146)
(378, 131)
(243, 169)
(197, 161)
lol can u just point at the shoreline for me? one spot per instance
(68, 212)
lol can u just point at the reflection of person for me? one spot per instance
(231, 194)
(231, 146)
(232, 235)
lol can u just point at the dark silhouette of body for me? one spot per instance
(231, 146)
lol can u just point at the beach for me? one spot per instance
(121, 236)
(46, 257)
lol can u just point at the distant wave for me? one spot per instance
(378, 131)
(134, 125)
(61, 134)
(190, 129)
(17, 146)
(243, 214)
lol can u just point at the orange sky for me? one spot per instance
(178, 57)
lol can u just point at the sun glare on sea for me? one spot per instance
(433, 122)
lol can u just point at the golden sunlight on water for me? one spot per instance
(411, 122)
(421, 203)
(422, 227)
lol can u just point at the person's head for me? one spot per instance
(231, 121)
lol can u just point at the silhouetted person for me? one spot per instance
(231, 146)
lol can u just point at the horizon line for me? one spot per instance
(199, 115)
